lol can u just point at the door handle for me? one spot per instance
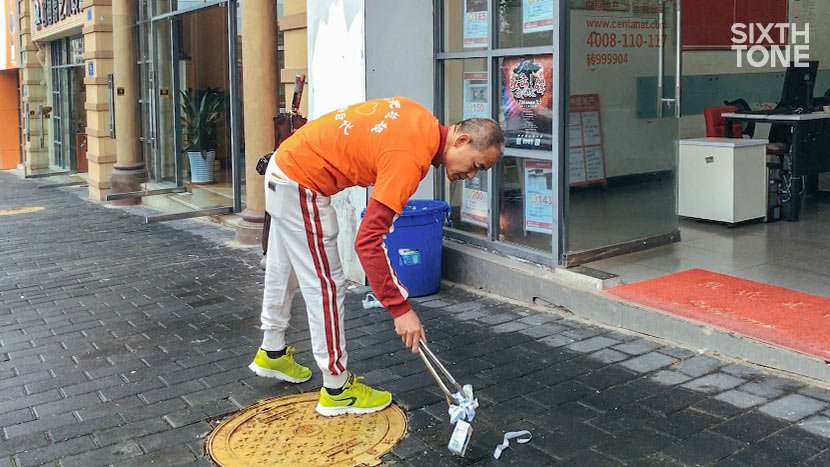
(111, 105)
(678, 68)
(42, 130)
(153, 98)
(661, 48)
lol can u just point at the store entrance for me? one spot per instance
(68, 115)
(623, 126)
(187, 120)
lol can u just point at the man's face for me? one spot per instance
(463, 161)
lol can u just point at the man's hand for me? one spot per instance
(408, 326)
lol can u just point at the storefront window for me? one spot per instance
(76, 50)
(525, 23)
(515, 202)
(182, 5)
(526, 195)
(466, 25)
(467, 95)
(525, 114)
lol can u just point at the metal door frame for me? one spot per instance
(567, 257)
(61, 105)
(152, 20)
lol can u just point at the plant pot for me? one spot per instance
(201, 168)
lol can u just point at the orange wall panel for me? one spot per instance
(9, 130)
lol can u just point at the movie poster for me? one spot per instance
(527, 102)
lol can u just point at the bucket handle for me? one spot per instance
(447, 219)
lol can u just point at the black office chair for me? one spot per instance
(743, 106)
(778, 134)
(823, 100)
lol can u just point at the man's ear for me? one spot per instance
(461, 139)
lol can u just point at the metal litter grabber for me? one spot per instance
(462, 404)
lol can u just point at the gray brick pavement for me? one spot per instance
(159, 321)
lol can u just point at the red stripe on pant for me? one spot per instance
(323, 286)
(327, 271)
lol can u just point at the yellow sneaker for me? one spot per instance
(356, 398)
(284, 368)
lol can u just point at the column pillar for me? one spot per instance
(128, 172)
(260, 105)
(98, 54)
(33, 97)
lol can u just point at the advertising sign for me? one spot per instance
(49, 12)
(476, 96)
(537, 16)
(475, 23)
(527, 101)
(538, 196)
(475, 201)
(586, 161)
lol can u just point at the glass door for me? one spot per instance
(168, 162)
(67, 97)
(184, 57)
(184, 50)
(622, 128)
(145, 84)
(58, 91)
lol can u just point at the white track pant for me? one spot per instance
(302, 250)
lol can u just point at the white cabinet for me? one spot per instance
(722, 179)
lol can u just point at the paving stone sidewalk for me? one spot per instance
(121, 342)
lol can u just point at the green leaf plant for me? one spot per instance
(201, 112)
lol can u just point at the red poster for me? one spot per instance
(527, 101)
(586, 159)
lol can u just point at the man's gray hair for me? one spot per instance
(484, 133)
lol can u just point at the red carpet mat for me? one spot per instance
(768, 313)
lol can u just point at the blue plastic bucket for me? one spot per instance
(415, 245)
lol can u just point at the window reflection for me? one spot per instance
(525, 23)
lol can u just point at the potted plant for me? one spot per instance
(201, 111)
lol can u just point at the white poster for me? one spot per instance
(539, 196)
(594, 163)
(537, 16)
(576, 164)
(476, 95)
(475, 23)
(474, 201)
(590, 129)
(575, 130)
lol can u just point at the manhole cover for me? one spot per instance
(13, 211)
(288, 431)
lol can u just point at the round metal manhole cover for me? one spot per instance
(288, 431)
(13, 211)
